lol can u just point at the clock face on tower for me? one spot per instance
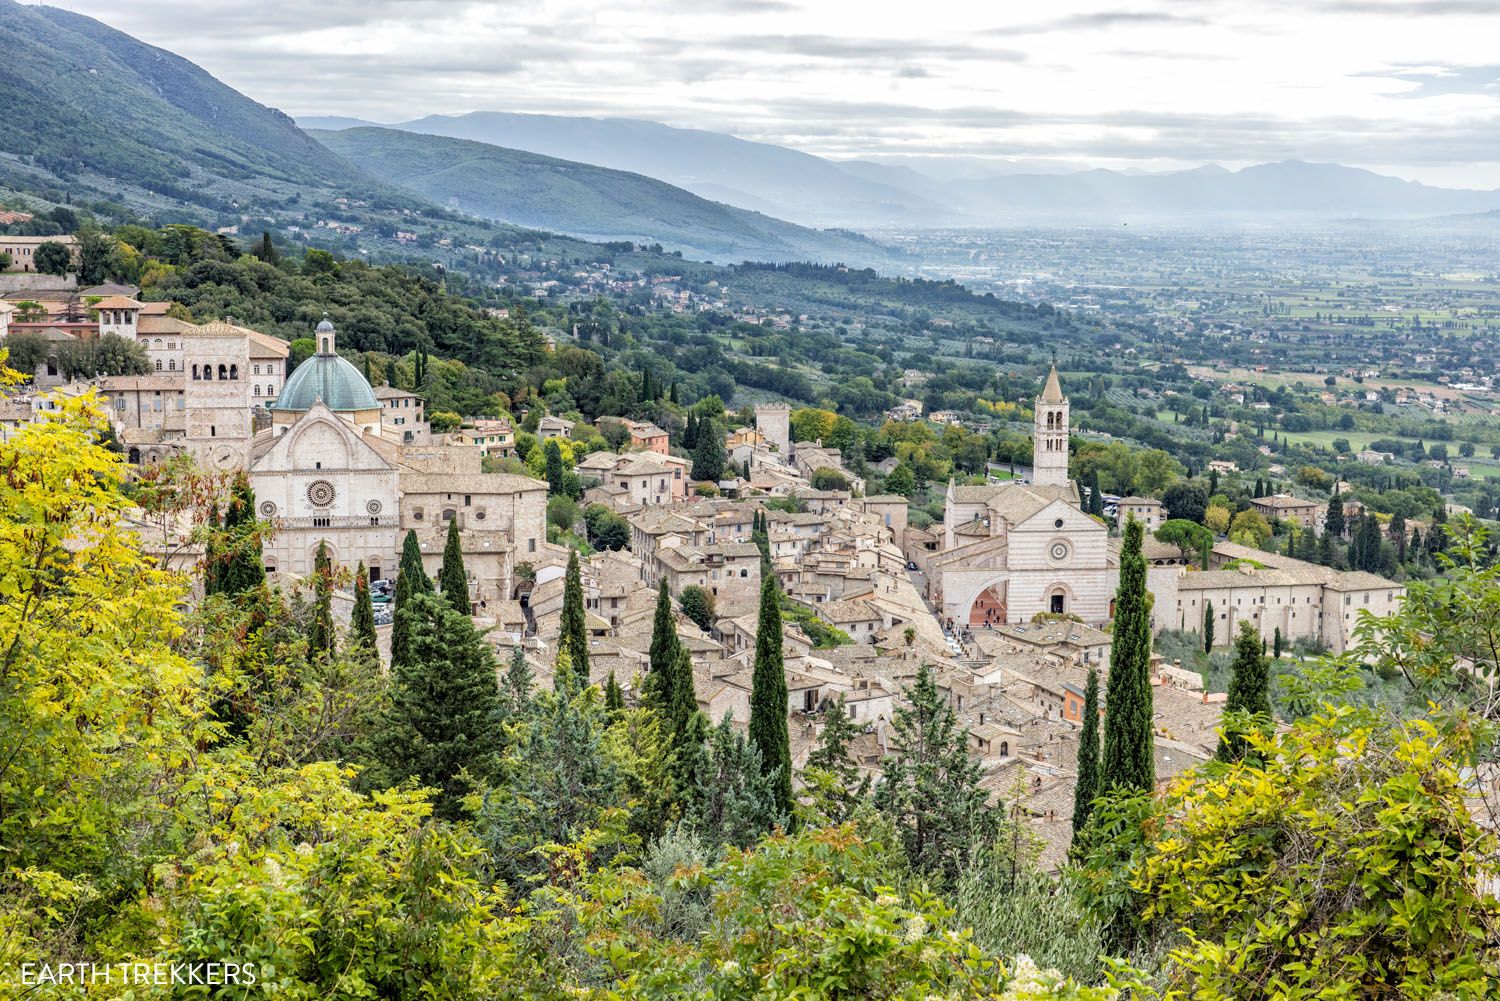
(223, 457)
(1060, 551)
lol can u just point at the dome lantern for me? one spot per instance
(326, 344)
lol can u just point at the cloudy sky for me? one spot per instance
(1408, 87)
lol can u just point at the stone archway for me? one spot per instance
(988, 608)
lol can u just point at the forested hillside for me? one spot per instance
(585, 201)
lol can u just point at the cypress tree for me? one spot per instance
(768, 698)
(1334, 523)
(1208, 627)
(320, 638)
(1276, 642)
(411, 564)
(1087, 789)
(241, 565)
(1128, 743)
(664, 644)
(575, 622)
(552, 452)
(708, 453)
(452, 578)
(684, 701)
(444, 703)
(213, 553)
(614, 699)
(1249, 692)
(362, 622)
(411, 580)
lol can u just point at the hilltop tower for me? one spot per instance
(1049, 450)
(774, 420)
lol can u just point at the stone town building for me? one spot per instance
(1146, 510)
(22, 249)
(1284, 507)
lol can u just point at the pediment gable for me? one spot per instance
(320, 439)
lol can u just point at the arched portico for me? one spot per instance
(988, 607)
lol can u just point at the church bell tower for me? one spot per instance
(1049, 457)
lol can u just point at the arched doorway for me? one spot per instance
(135, 457)
(1058, 599)
(988, 609)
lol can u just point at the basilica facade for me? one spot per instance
(325, 467)
(1013, 551)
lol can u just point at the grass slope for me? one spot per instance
(583, 200)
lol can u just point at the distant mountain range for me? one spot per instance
(90, 113)
(751, 175)
(905, 191)
(582, 200)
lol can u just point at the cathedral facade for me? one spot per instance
(1014, 550)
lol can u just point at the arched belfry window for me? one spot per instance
(325, 345)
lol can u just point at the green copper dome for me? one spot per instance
(327, 377)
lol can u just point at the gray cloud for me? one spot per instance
(696, 63)
(841, 47)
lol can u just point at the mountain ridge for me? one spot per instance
(955, 190)
(583, 200)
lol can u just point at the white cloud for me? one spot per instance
(1405, 84)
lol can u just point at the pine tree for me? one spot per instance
(832, 778)
(515, 688)
(733, 800)
(931, 791)
(1128, 760)
(558, 781)
(1249, 692)
(575, 622)
(1208, 627)
(452, 577)
(1087, 788)
(362, 622)
(320, 637)
(443, 706)
(708, 453)
(768, 698)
